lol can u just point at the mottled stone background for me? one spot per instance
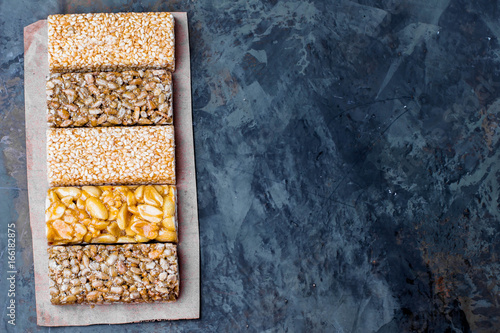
(346, 163)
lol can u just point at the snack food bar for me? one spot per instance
(111, 214)
(129, 273)
(111, 155)
(109, 98)
(111, 41)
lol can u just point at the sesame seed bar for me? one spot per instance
(111, 41)
(99, 274)
(109, 98)
(111, 214)
(111, 155)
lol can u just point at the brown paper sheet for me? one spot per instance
(188, 304)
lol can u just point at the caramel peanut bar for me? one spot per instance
(128, 273)
(111, 41)
(111, 155)
(111, 214)
(109, 98)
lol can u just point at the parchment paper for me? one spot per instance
(188, 304)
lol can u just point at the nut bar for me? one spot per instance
(111, 214)
(111, 41)
(127, 273)
(109, 98)
(111, 155)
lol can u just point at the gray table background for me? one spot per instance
(346, 159)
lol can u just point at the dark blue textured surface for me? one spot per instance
(346, 159)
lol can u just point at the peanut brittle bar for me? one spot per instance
(111, 214)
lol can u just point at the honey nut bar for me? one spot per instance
(111, 155)
(111, 214)
(111, 41)
(109, 98)
(127, 273)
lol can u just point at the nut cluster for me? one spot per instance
(111, 41)
(109, 98)
(111, 214)
(96, 274)
(111, 155)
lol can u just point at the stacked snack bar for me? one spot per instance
(111, 159)
(110, 98)
(131, 273)
(111, 214)
(106, 41)
(111, 155)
